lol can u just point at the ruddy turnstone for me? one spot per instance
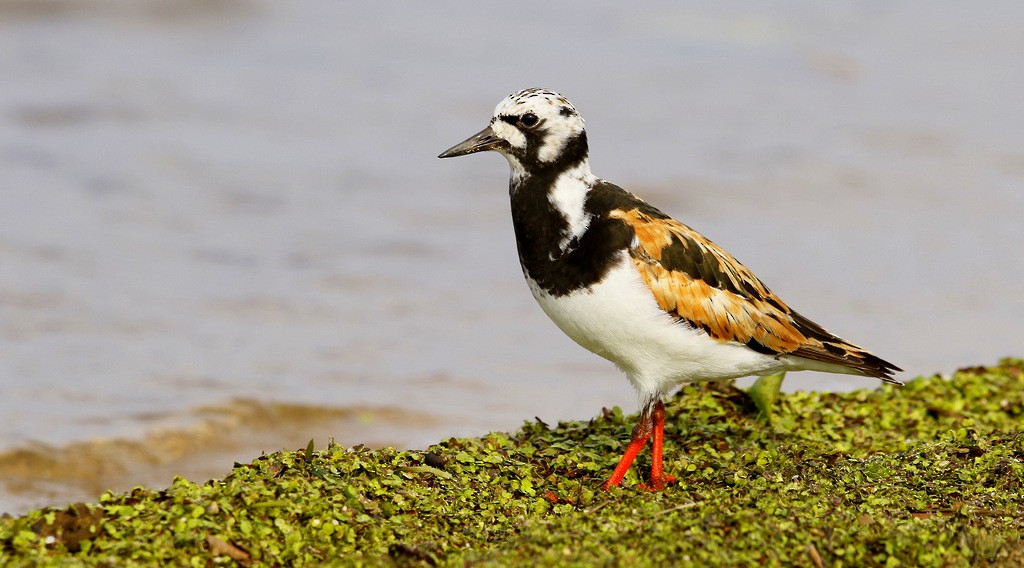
(633, 285)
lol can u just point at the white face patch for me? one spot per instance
(557, 118)
(509, 133)
(559, 132)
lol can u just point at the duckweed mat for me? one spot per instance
(929, 474)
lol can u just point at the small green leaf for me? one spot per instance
(765, 393)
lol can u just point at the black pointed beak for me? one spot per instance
(479, 142)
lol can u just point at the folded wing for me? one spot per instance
(696, 281)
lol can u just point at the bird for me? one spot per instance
(631, 284)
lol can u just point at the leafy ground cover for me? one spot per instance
(929, 474)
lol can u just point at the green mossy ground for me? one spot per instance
(925, 475)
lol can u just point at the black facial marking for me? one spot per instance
(565, 111)
(511, 119)
(574, 151)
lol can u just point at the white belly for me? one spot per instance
(619, 319)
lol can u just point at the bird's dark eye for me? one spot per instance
(528, 119)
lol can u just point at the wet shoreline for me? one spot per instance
(200, 447)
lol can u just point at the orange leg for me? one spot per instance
(658, 478)
(652, 423)
(641, 433)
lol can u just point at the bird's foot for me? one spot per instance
(658, 484)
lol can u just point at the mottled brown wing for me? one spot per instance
(695, 280)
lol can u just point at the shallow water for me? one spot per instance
(240, 201)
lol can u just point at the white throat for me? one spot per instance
(518, 172)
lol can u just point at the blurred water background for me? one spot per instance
(224, 229)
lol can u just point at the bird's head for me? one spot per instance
(535, 129)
